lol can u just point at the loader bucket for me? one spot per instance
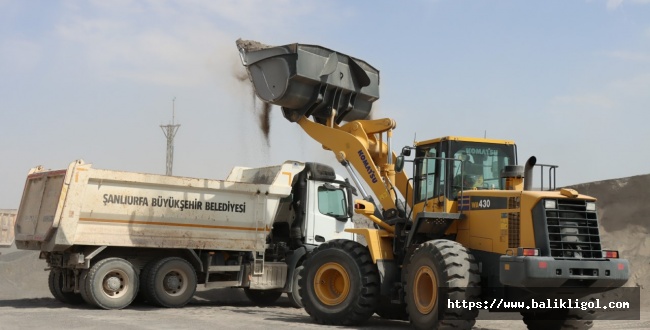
(310, 80)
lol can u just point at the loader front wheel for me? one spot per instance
(170, 282)
(111, 283)
(441, 270)
(56, 285)
(339, 283)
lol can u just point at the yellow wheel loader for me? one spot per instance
(467, 229)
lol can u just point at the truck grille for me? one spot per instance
(573, 231)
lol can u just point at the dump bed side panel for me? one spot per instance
(124, 209)
(102, 207)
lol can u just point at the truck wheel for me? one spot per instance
(170, 282)
(340, 283)
(437, 271)
(294, 295)
(560, 319)
(143, 293)
(83, 288)
(55, 283)
(112, 283)
(262, 297)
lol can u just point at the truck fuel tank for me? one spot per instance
(310, 80)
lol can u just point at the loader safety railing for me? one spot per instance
(551, 176)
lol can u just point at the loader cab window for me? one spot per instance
(479, 165)
(332, 202)
(429, 173)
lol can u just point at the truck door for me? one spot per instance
(327, 212)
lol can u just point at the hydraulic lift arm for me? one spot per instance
(360, 144)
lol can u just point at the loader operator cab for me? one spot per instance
(449, 165)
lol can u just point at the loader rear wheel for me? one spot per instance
(339, 284)
(439, 270)
(169, 282)
(112, 283)
(262, 297)
(560, 319)
(55, 283)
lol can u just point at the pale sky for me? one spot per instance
(569, 81)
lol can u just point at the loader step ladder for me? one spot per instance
(260, 243)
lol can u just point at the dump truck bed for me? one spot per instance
(82, 205)
(7, 219)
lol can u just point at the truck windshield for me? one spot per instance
(332, 202)
(479, 165)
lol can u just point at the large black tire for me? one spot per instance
(294, 295)
(262, 297)
(55, 283)
(439, 270)
(142, 296)
(111, 283)
(83, 288)
(170, 282)
(560, 319)
(339, 283)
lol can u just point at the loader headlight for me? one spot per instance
(591, 206)
(550, 204)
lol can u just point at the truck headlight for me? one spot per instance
(591, 206)
(550, 204)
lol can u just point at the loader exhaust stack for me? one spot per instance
(528, 173)
(310, 80)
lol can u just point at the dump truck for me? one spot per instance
(467, 227)
(110, 237)
(7, 219)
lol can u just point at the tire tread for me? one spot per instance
(459, 272)
(361, 309)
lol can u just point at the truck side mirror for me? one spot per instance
(399, 163)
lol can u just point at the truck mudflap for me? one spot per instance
(548, 272)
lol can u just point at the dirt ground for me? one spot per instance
(26, 303)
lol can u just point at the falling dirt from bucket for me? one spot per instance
(264, 117)
(260, 108)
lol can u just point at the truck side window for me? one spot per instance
(332, 202)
